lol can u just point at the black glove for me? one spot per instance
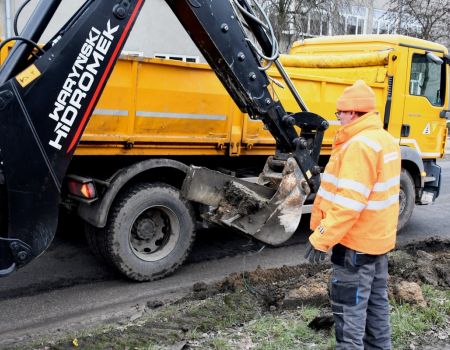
(314, 255)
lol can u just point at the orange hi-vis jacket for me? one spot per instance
(357, 204)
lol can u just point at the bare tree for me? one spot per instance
(425, 19)
(296, 19)
(279, 12)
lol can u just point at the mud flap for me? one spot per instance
(269, 215)
(43, 113)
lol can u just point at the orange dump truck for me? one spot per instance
(157, 117)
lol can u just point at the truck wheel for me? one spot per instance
(149, 232)
(407, 198)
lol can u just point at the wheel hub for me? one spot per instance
(145, 229)
(151, 232)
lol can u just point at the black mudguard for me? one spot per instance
(43, 113)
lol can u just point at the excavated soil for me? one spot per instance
(426, 262)
(246, 201)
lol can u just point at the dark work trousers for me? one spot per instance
(359, 300)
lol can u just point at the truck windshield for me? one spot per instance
(427, 79)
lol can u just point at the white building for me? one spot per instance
(368, 17)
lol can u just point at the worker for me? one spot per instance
(355, 214)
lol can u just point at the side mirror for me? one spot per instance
(445, 114)
(435, 59)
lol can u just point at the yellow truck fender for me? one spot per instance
(412, 162)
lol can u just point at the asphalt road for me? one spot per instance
(68, 289)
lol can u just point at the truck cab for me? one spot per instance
(410, 78)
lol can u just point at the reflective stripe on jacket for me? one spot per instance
(357, 204)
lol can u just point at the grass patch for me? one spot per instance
(219, 344)
(287, 330)
(274, 332)
(410, 321)
(222, 312)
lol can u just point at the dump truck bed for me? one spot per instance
(164, 107)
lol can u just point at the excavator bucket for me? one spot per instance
(270, 214)
(45, 104)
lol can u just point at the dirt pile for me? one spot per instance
(409, 292)
(426, 262)
(314, 293)
(287, 287)
(292, 286)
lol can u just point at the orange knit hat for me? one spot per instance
(359, 98)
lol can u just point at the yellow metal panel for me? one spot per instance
(110, 149)
(184, 102)
(162, 105)
(111, 115)
(381, 75)
(349, 43)
(5, 51)
(365, 59)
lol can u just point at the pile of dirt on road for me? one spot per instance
(287, 287)
(273, 287)
(426, 262)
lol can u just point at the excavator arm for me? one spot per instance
(48, 95)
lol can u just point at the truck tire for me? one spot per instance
(149, 233)
(407, 199)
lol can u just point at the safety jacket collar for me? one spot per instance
(367, 121)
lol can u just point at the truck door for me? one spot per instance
(425, 95)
